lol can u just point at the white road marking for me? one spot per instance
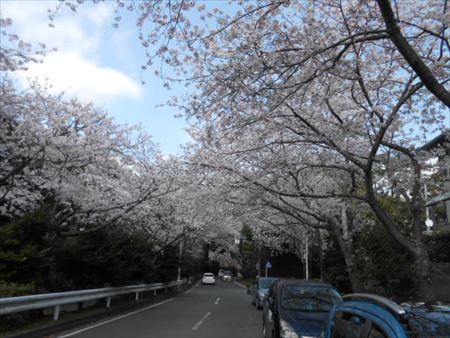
(240, 284)
(192, 288)
(200, 322)
(217, 301)
(114, 319)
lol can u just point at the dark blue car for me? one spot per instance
(258, 290)
(372, 316)
(297, 308)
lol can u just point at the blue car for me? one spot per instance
(259, 290)
(372, 316)
(297, 308)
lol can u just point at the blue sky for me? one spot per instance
(96, 62)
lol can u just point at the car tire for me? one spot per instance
(265, 333)
(258, 306)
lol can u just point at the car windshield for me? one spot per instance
(227, 273)
(208, 275)
(309, 298)
(265, 283)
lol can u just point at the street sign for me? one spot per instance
(268, 265)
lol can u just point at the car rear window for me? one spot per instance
(208, 275)
(265, 283)
(309, 298)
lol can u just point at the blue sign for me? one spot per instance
(268, 265)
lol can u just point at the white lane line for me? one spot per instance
(200, 322)
(116, 318)
(217, 301)
(192, 288)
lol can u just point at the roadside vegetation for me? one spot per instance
(308, 123)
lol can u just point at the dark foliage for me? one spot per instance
(33, 260)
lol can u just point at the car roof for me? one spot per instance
(305, 282)
(378, 314)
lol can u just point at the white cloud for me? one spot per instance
(77, 32)
(71, 73)
(74, 68)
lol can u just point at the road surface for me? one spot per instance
(220, 311)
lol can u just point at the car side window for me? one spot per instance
(349, 325)
(376, 332)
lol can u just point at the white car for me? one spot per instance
(208, 278)
(227, 276)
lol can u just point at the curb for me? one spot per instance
(240, 284)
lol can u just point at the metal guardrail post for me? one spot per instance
(137, 295)
(108, 302)
(154, 292)
(56, 313)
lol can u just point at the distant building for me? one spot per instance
(441, 142)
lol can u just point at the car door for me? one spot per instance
(351, 325)
(269, 307)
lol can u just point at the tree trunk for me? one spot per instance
(347, 249)
(410, 55)
(423, 274)
(352, 270)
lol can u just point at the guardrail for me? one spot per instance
(57, 299)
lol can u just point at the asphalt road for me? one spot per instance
(220, 311)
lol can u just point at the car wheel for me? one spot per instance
(258, 306)
(265, 333)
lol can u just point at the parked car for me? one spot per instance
(296, 308)
(220, 274)
(227, 276)
(258, 290)
(208, 278)
(367, 316)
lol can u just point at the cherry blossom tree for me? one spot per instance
(358, 84)
(284, 85)
(414, 31)
(92, 171)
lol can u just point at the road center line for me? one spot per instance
(196, 326)
(217, 301)
(116, 318)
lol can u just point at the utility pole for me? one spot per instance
(306, 257)
(179, 260)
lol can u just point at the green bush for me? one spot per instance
(438, 244)
(14, 289)
(382, 263)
